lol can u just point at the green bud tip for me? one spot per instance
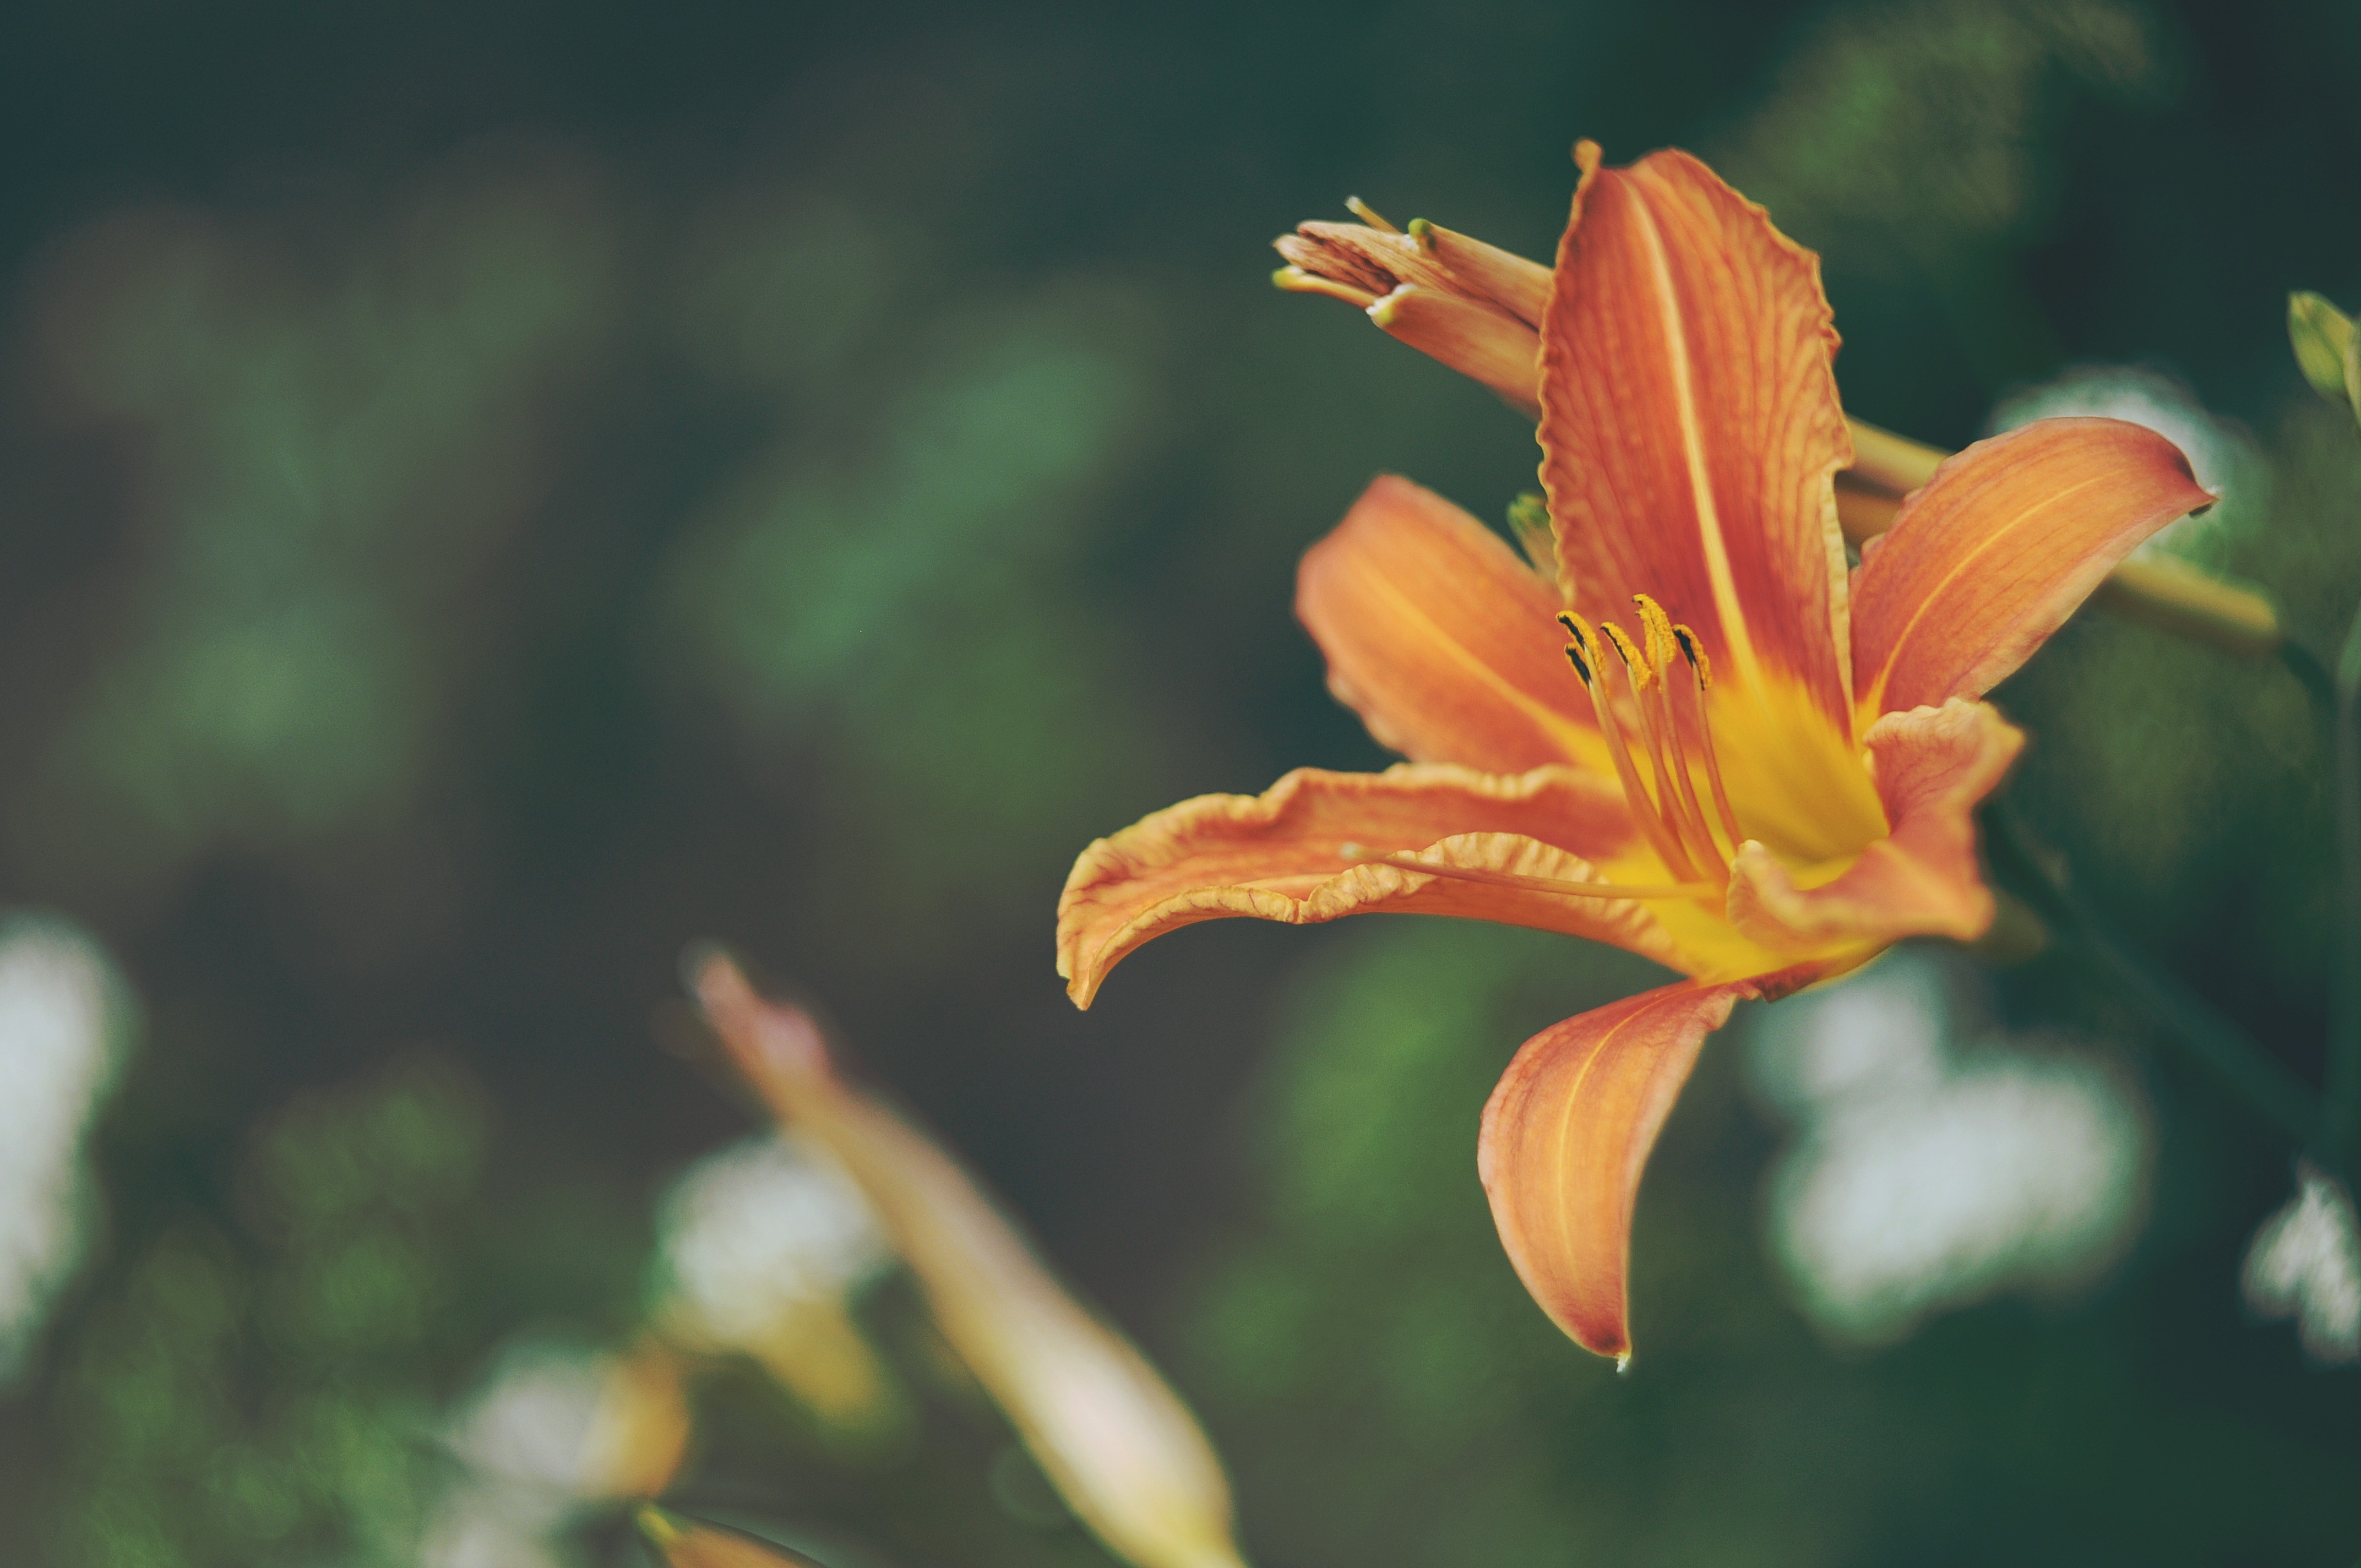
(2322, 336)
(657, 1525)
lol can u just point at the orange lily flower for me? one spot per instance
(1687, 727)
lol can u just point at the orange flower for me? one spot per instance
(1736, 758)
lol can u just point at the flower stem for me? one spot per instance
(2310, 674)
(2343, 1111)
(2203, 1031)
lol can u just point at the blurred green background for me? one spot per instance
(489, 494)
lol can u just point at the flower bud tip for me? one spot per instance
(656, 1525)
(2322, 336)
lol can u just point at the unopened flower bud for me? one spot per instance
(1108, 1431)
(2323, 337)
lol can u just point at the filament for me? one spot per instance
(1702, 669)
(1664, 647)
(1640, 676)
(1583, 653)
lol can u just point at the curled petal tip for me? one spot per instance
(1300, 280)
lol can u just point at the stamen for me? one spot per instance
(1702, 668)
(1410, 862)
(1647, 697)
(1585, 655)
(1656, 627)
(1662, 643)
(1643, 673)
(1367, 215)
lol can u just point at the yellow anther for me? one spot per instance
(1656, 628)
(1643, 673)
(1369, 214)
(1694, 652)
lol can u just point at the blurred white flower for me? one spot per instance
(479, 1525)
(759, 1229)
(764, 1245)
(1925, 1178)
(59, 1052)
(551, 1428)
(2222, 457)
(530, 1423)
(2305, 1263)
(1886, 1031)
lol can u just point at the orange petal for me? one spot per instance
(1444, 641)
(1690, 427)
(1567, 1133)
(1999, 547)
(1932, 766)
(1370, 259)
(1282, 855)
(1474, 338)
(1519, 286)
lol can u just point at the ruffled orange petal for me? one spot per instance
(1301, 852)
(1569, 1130)
(1441, 639)
(2002, 545)
(1932, 766)
(1690, 427)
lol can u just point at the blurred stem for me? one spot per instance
(2344, 1005)
(2310, 674)
(2201, 1030)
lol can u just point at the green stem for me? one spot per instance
(2310, 674)
(2206, 1034)
(2344, 1088)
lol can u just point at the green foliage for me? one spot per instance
(907, 592)
(490, 498)
(1387, 1392)
(266, 1388)
(327, 457)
